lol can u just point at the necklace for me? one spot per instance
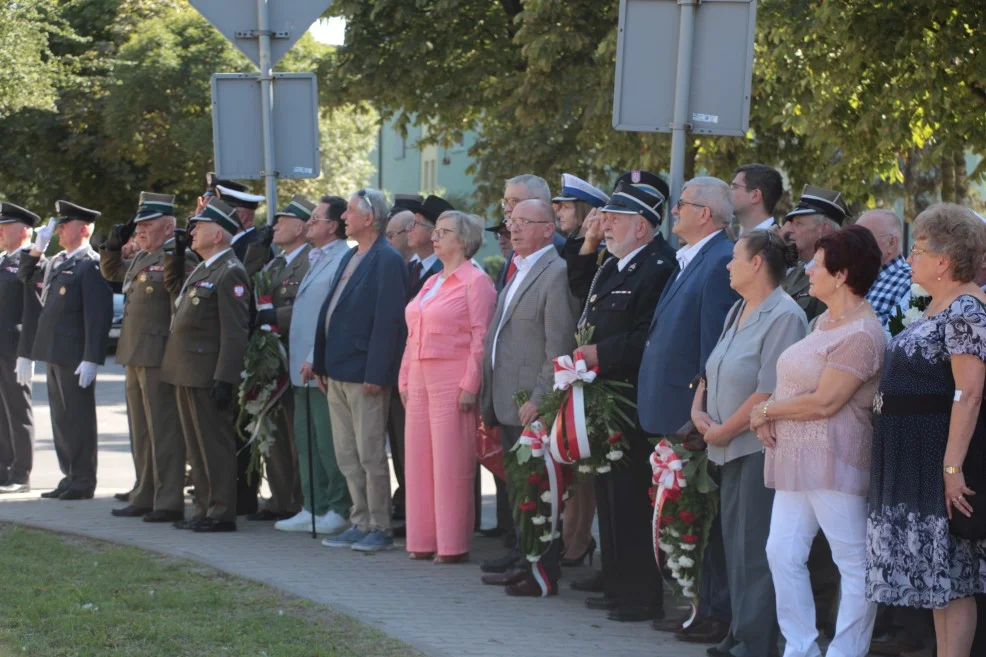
(833, 320)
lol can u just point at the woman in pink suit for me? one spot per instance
(439, 385)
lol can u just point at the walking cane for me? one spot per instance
(311, 464)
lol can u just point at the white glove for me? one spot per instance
(25, 371)
(42, 236)
(87, 373)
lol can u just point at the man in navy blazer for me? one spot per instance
(687, 322)
(359, 341)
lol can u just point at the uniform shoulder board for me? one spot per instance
(233, 263)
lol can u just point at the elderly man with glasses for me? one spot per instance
(359, 342)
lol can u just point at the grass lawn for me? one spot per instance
(68, 596)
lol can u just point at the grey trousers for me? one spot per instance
(745, 512)
(16, 427)
(73, 423)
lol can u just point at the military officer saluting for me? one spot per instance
(621, 296)
(157, 442)
(286, 272)
(204, 358)
(72, 337)
(18, 323)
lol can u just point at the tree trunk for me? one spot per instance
(947, 179)
(961, 181)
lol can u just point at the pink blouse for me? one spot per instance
(832, 453)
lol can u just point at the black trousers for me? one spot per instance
(16, 427)
(73, 423)
(630, 572)
(395, 433)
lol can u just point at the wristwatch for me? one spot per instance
(953, 469)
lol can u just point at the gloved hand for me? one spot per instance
(25, 371)
(42, 237)
(265, 235)
(268, 316)
(222, 394)
(120, 234)
(182, 241)
(87, 373)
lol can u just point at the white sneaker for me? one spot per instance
(331, 523)
(300, 522)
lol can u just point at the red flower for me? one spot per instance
(534, 479)
(545, 484)
(690, 538)
(667, 520)
(686, 517)
(615, 438)
(528, 506)
(673, 494)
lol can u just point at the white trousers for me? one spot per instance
(794, 522)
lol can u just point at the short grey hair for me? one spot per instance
(824, 220)
(895, 223)
(536, 186)
(375, 202)
(713, 193)
(468, 228)
(955, 232)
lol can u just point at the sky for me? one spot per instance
(331, 31)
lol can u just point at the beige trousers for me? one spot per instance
(359, 434)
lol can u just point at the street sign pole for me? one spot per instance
(267, 109)
(682, 89)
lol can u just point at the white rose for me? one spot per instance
(533, 558)
(614, 455)
(538, 520)
(546, 496)
(673, 533)
(585, 469)
(687, 581)
(687, 592)
(687, 547)
(665, 547)
(918, 291)
(910, 315)
(686, 562)
(603, 469)
(546, 537)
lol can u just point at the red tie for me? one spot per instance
(511, 269)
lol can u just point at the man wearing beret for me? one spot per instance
(72, 337)
(204, 358)
(18, 324)
(157, 442)
(621, 295)
(819, 212)
(286, 272)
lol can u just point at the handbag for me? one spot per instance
(688, 435)
(489, 450)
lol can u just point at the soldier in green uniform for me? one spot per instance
(18, 323)
(286, 272)
(204, 358)
(157, 442)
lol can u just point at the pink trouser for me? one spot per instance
(439, 460)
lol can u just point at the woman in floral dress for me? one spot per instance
(928, 423)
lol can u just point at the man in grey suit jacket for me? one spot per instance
(533, 324)
(327, 234)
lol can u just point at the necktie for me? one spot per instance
(511, 270)
(414, 272)
(53, 264)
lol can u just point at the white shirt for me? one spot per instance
(241, 234)
(289, 258)
(439, 280)
(524, 265)
(766, 224)
(687, 254)
(625, 260)
(82, 248)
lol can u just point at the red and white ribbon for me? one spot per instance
(668, 469)
(537, 439)
(570, 422)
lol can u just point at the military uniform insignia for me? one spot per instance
(195, 301)
(239, 291)
(191, 293)
(631, 268)
(149, 289)
(62, 290)
(143, 278)
(593, 298)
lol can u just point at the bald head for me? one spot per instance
(888, 230)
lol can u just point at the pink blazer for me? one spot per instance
(452, 324)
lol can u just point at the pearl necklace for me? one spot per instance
(830, 320)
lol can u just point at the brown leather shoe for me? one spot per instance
(707, 630)
(452, 558)
(505, 579)
(529, 588)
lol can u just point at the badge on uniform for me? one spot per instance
(631, 268)
(12, 270)
(62, 291)
(592, 299)
(143, 278)
(239, 291)
(149, 289)
(155, 268)
(195, 301)
(205, 284)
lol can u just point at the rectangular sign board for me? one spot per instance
(237, 126)
(722, 66)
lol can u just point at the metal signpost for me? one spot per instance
(264, 36)
(684, 65)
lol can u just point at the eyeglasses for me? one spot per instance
(440, 233)
(521, 223)
(417, 223)
(915, 251)
(736, 185)
(397, 233)
(682, 202)
(509, 203)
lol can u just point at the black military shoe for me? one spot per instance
(162, 515)
(76, 494)
(54, 494)
(131, 512)
(213, 526)
(191, 523)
